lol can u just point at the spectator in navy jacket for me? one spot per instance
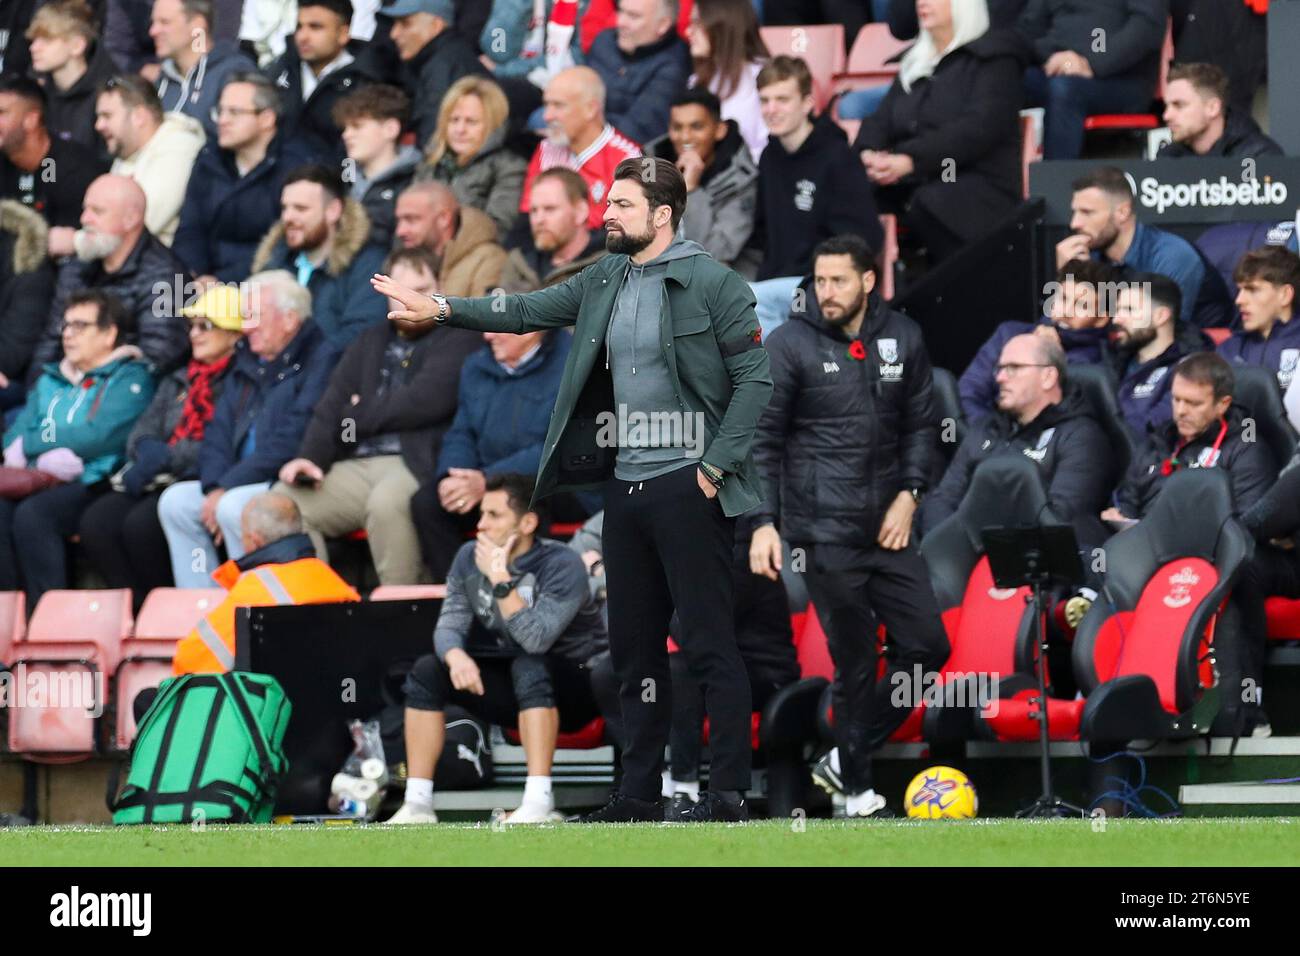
(1103, 224)
(325, 238)
(1267, 280)
(1076, 317)
(1147, 340)
(233, 195)
(277, 376)
(1077, 76)
(644, 65)
(507, 391)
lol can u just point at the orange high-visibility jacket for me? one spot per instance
(210, 647)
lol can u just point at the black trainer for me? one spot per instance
(714, 808)
(624, 809)
(681, 804)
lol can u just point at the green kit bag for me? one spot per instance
(209, 749)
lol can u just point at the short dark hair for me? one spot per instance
(1109, 179)
(699, 96)
(340, 8)
(109, 311)
(26, 89)
(419, 258)
(199, 8)
(1160, 289)
(785, 68)
(519, 495)
(379, 101)
(660, 180)
(265, 96)
(1208, 79)
(134, 90)
(1207, 368)
(324, 176)
(855, 247)
(575, 187)
(1276, 265)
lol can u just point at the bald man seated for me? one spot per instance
(117, 255)
(1040, 415)
(580, 138)
(461, 238)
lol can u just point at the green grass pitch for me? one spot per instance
(1202, 842)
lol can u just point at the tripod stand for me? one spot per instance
(1037, 557)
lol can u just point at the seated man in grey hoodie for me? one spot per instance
(372, 120)
(721, 176)
(194, 65)
(519, 642)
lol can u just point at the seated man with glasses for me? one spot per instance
(233, 196)
(1041, 416)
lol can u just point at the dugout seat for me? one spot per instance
(1144, 658)
(71, 650)
(952, 420)
(167, 616)
(1256, 390)
(1099, 388)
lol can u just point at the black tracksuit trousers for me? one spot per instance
(667, 546)
(853, 589)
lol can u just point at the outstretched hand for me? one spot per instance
(416, 307)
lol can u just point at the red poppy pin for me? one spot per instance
(857, 351)
(87, 383)
(757, 335)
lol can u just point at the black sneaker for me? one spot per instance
(623, 809)
(682, 803)
(824, 775)
(713, 808)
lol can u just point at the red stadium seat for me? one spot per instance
(820, 46)
(1138, 121)
(1283, 618)
(1145, 664)
(168, 615)
(13, 621)
(1218, 336)
(564, 530)
(869, 63)
(588, 737)
(68, 657)
(409, 592)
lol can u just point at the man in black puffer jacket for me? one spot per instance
(844, 448)
(1052, 424)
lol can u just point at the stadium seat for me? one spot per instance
(1256, 390)
(167, 616)
(990, 630)
(1100, 387)
(952, 420)
(787, 726)
(1283, 616)
(1138, 121)
(13, 621)
(70, 651)
(1144, 658)
(821, 46)
(873, 59)
(888, 256)
(1218, 336)
(409, 592)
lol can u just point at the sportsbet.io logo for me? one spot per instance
(1153, 194)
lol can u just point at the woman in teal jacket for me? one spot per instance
(73, 428)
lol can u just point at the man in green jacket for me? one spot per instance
(660, 398)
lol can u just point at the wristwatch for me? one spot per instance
(443, 310)
(503, 589)
(917, 494)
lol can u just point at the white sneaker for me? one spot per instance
(533, 813)
(412, 814)
(871, 804)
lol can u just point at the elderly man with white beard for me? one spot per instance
(115, 253)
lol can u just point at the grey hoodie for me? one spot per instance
(379, 195)
(643, 388)
(197, 93)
